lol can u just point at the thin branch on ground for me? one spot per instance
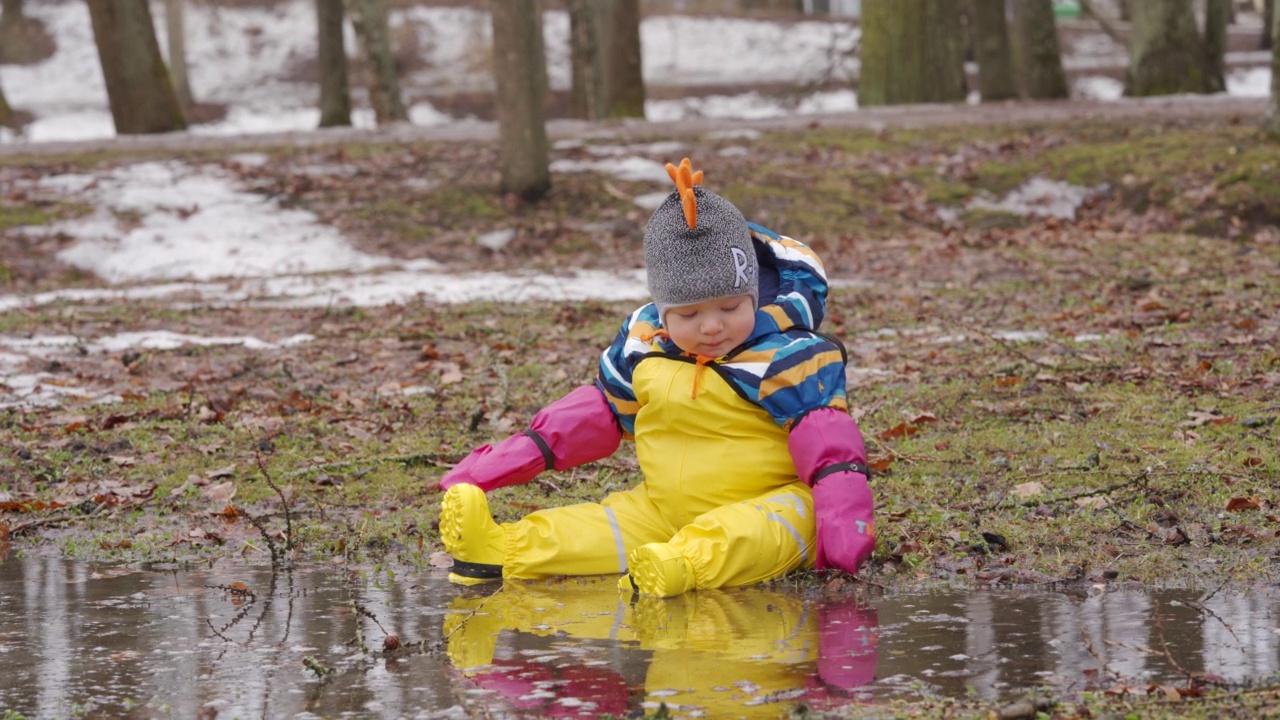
(284, 503)
(33, 524)
(423, 458)
(1141, 477)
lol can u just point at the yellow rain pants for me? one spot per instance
(720, 486)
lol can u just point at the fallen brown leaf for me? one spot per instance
(220, 493)
(1237, 504)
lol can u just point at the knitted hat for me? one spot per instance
(697, 246)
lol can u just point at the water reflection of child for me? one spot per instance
(735, 653)
(752, 465)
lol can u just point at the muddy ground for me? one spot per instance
(1085, 403)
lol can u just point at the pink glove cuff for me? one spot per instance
(826, 440)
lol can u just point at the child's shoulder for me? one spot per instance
(783, 350)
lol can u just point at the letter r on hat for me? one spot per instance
(739, 267)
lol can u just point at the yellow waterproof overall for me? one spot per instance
(720, 486)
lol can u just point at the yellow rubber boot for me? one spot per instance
(469, 533)
(658, 569)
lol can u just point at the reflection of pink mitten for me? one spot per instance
(566, 691)
(847, 644)
(827, 448)
(578, 428)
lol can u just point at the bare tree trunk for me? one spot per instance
(6, 112)
(335, 91)
(370, 20)
(1271, 124)
(996, 79)
(23, 40)
(138, 87)
(587, 98)
(1126, 10)
(911, 52)
(174, 13)
(1217, 16)
(1039, 56)
(520, 71)
(1166, 55)
(1268, 12)
(624, 81)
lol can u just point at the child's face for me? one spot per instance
(712, 327)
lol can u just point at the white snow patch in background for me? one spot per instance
(1250, 82)
(55, 345)
(650, 201)
(628, 168)
(1039, 197)
(46, 389)
(1098, 88)
(170, 220)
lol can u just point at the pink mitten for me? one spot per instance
(827, 448)
(578, 428)
(846, 533)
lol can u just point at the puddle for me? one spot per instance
(238, 642)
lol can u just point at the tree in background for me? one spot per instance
(911, 52)
(606, 59)
(6, 112)
(1039, 57)
(624, 76)
(1166, 53)
(370, 20)
(138, 87)
(587, 43)
(1217, 17)
(520, 71)
(335, 90)
(175, 29)
(1271, 125)
(23, 40)
(1268, 13)
(996, 79)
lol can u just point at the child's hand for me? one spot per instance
(846, 532)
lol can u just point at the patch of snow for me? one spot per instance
(1250, 82)
(628, 168)
(651, 201)
(43, 389)
(497, 239)
(1039, 197)
(1097, 87)
(170, 220)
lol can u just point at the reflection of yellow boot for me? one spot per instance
(661, 623)
(658, 569)
(475, 541)
(471, 631)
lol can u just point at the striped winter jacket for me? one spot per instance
(785, 366)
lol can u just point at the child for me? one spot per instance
(752, 465)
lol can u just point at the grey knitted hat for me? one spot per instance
(699, 254)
